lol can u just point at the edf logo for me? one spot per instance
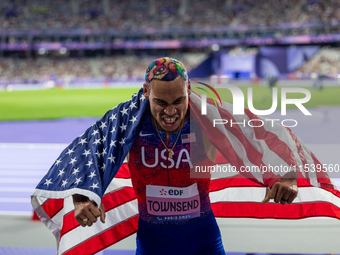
(172, 192)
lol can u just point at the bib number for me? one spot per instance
(173, 203)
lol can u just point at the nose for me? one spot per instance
(170, 110)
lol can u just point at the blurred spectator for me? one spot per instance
(131, 14)
(325, 63)
(116, 67)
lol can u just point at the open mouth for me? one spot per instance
(169, 122)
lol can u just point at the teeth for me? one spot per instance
(169, 120)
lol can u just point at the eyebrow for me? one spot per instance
(162, 101)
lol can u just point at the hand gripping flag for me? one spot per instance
(90, 164)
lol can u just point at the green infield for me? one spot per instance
(60, 103)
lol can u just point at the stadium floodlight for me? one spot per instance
(62, 51)
(215, 47)
(42, 51)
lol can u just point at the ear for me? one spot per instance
(146, 91)
(189, 88)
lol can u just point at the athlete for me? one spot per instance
(175, 216)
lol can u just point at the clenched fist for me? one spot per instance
(86, 211)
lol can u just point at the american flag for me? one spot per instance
(90, 164)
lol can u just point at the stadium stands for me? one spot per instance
(45, 39)
(130, 14)
(325, 62)
(117, 67)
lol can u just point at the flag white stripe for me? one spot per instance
(284, 136)
(113, 218)
(118, 183)
(268, 156)
(222, 175)
(235, 143)
(257, 194)
(312, 175)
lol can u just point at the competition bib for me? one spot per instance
(172, 203)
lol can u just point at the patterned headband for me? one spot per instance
(165, 69)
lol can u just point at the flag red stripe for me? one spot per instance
(110, 201)
(123, 172)
(277, 211)
(323, 178)
(273, 142)
(69, 223)
(276, 145)
(236, 181)
(117, 198)
(254, 156)
(53, 206)
(223, 145)
(107, 238)
(300, 151)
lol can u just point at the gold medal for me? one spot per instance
(170, 153)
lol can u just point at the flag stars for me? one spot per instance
(113, 143)
(77, 181)
(142, 98)
(132, 105)
(82, 141)
(98, 154)
(123, 127)
(124, 111)
(103, 167)
(94, 186)
(61, 172)
(58, 162)
(92, 175)
(86, 152)
(134, 119)
(113, 130)
(95, 132)
(48, 182)
(64, 183)
(112, 158)
(89, 163)
(70, 151)
(104, 152)
(104, 139)
(113, 117)
(97, 141)
(73, 160)
(75, 171)
(122, 142)
(103, 125)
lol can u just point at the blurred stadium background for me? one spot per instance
(51, 51)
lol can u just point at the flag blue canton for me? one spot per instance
(92, 160)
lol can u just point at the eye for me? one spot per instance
(179, 101)
(161, 103)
